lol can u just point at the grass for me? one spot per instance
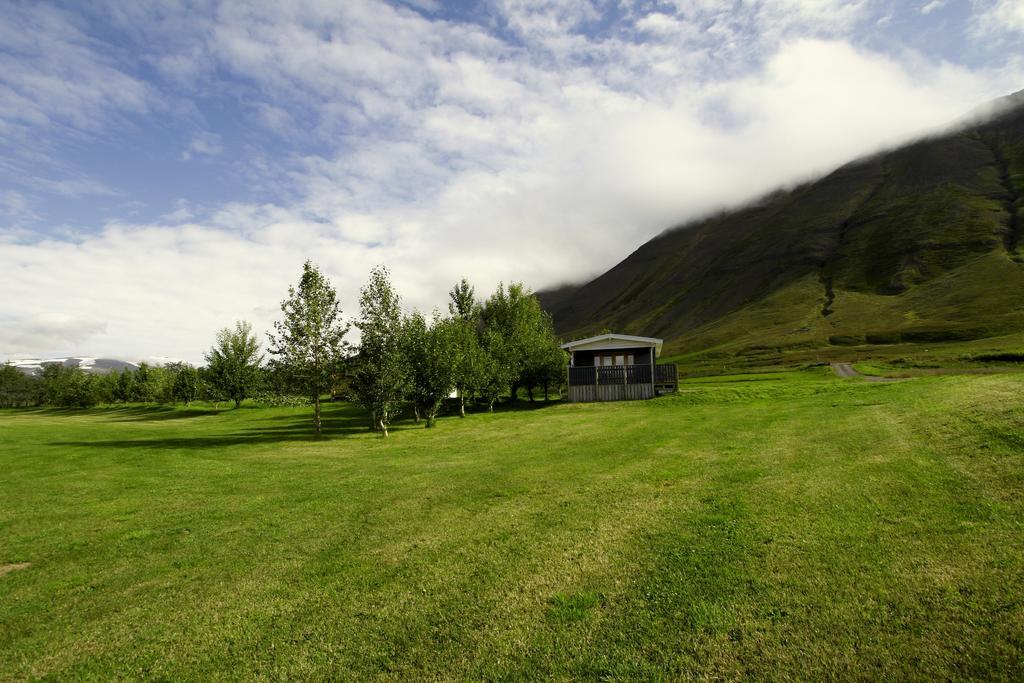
(769, 525)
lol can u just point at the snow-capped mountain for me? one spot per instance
(34, 366)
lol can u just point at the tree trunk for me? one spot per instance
(432, 412)
(545, 392)
(513, 390)
(316, 412)
(416, 412)
(383, 428)
(462, 403)
(490, 406)
(238, 402)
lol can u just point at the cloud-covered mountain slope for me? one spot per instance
(920, 243)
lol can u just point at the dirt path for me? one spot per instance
(8, 568)
(846, 370)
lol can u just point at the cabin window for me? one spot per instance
(613, 359)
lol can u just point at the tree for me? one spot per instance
(432, 352)
(142, 385)
(234, 362)
(498, 366)
(161, 381)
(67, 387)
(18, 389)
(546, 367)
(187, 386)
(310, 342)
(465, 312)
(380, 378)
(463, 305)
(414, 337)
(208, 389)
(105, 386)
(515, 315)
(124, 387)
(470, 360)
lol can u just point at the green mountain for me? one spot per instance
(919, 244)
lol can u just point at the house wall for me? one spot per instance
(641, 356)
(610, 392)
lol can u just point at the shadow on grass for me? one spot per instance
(159, 414)
(505, 406)
(274, 429)
(131, 413)
(339, 420)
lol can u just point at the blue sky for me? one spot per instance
(165, 167)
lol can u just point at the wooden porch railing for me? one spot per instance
(666, 374)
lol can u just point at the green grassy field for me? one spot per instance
(773, 525)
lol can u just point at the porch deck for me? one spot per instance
(621, 382)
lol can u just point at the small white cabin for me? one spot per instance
(617, 367)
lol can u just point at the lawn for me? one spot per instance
(779, 525)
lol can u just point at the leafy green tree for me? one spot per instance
(187, 386)
(143, 389)
(470, 359)
(67, 387)
(432, 351)
(234, 362)
(462, 304)
(380, 377)
(515, 315)
(310, 342)
(545, 367)
(498, 366)
(124, 387)
(18, 389)
(161, 379)
(208, 389)
(414, 337)
(105, 386)
(465, 312)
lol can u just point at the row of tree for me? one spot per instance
(479, 350)
(70, 387)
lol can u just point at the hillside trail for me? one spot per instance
(846, 370)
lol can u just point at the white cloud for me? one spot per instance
(54, 330)
(445, 151)
(997, 21)
(17, 208)
(70, 187)
(52, 75)
(203, 144)
(930, 7)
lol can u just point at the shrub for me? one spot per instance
(883, 337)
(998, 357)
(845, 340)
(270, 399)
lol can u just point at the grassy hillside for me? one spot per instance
(757, 526)
(919, 244)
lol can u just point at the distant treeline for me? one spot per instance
(174, 383)
(479, 350)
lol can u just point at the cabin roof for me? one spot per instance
(604, 342)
